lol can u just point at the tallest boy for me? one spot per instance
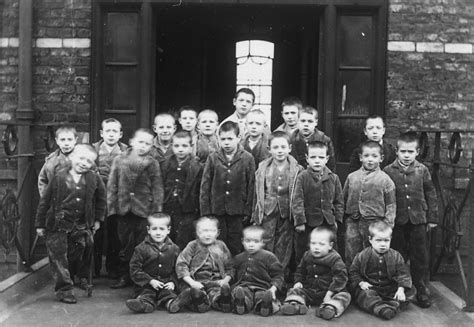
(243, 102)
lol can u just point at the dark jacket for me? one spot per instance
(416, 195)
(322, 274)
(261, 150)
(299, 145)
(195, 254)
(389, 156)
(105, 164)
(397, 270)
(203, 146)
(261, 269)
(157, 153)
(151, 261)
(227, 187)
(49, 207)
(190, 197)
(54, 162)
(134, 186)
(305, 208)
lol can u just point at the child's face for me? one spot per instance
(207, 232)
(158, 229)
(252, 241)
(307, 123)
(280, 149)
(228, 141)
(380, 241)
(255, 124)
(374, 129)
(370, 158)
(290, 115)
(66, 141)
(164, 128)
(320, 244)
(188, 120)
(142, 143)
(407, 152)
(207, 124)
(111, 133)
(82, 160)
(243, 103)
(181, 147)
(317, 158)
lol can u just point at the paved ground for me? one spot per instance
(106, 308)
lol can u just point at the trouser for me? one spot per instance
(69, 254)
(278, 237)
(156, 298)
(340, 301)
(253, 297)
(374, 298)
(357, 237)
(410, 241)
(182, 225)
(231, 232)
(99, 238)
(112, 261)
(211, 293)
(302, 240)
(131, 231)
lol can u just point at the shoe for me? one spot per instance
(239, 300)
(198, 298)
(121, 283)
(225, 299)
(293, 308)
(267, 304)
(327, 312)
(136, 305)
(182, 300)
(387, 313)
(68, 298)
(423, 300)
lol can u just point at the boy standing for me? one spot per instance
(182, 175)
(243, 103)
(188, 119)
(227, 186)
(259, 275)
(275, 182)
(374, 130)
(205, 266)
(369, 194)
(318, 197)
(417, 211)
(308, 132)
(256, 142)
(206, 141)
(69, 211)
(290, 111)
(152, 267)
(135, 190)
(320, 279)
(164, 127)
(107, 149)
(380, 280)
(66, 139)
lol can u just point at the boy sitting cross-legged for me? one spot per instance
(320, 279)
(259, 275)
(205, 270)
(152, 267)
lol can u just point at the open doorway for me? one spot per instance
(199, 48)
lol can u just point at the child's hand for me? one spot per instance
(300, 228)
(400, 295)
(430, 226)
(96, 225)
(156, 284)
(298, 285)
(273, 290)
(169, 286)
(364, 285)
(40, 231)
(197, 285)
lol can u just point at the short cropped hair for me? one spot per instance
(379, 226)
(110, 120)
(324, 229)
(408, 137)
(374, 117)
(159, 215)
(278, 135)
(254, 228)
(207, 218)
(182, 135)
(163, 115)
(229, 126)
(371, 145)
(144, 130)
(245, 90)
(66, 129)
(316, 145)
(208, 112)
(86, 147)
(292, 101)
(309, 110)
(186, 108)
(257, 112)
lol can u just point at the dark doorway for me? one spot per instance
(196, 57)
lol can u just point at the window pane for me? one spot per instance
(120, 88)
(252, 73)
(121, 37)
(353, 92)
(356, 40)
(349, 133)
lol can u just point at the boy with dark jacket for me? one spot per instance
(417, 211)
(256, 141)
(152, 267)
(206, 141)
(164, 126)
(71, 208)
(181, 179)
(135, 190)
(227, 186)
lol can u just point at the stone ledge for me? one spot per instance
(430, 47)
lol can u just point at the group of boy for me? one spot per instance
(229, 216)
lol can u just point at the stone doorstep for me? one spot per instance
(450, 301)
